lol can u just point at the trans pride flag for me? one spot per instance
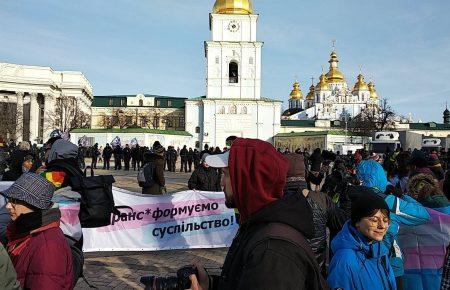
(424, 248)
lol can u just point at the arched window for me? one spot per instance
(233, 110)
(244, 110)
(222, 110)
(233, 72)
(141, 103)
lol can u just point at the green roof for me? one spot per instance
(298, 123)
(121, 101)
(133, 130)
(429, 126)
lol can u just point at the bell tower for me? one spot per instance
(233, 56)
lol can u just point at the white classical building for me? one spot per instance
(32, 93)
(233, 105)
(331, 98)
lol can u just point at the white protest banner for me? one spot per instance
(185, 220)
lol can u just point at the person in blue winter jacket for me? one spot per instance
(404, 211)
(360, 261)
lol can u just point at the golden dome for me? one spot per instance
(296, 93)
(334, 75)
(322, 85)
(233, 7)
(373, 92)
(310, 95)
(360, 84)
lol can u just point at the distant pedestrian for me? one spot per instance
(118, 157)
(197, 158)
(107, 153)
(153, 170)
(136, 157)
(127, 157)
(95, 153)
(184, 158)
(190, 159)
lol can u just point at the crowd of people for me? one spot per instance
(308, 220)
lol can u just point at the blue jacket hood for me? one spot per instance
(349, 238)
(372, 174)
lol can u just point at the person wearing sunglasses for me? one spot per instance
(360, 261)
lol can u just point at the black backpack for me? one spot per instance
(146, 175)
(97, 201)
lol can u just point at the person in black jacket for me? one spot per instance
(136, 157)
(205, 178)
(127, 156)
(94, 154)
(197, 158)
(190, 159)
(107, 153)
(118, 157)
(184, 158)
(16, 161)
(269, 250)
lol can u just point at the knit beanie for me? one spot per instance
(365, 205)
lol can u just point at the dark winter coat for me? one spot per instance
(184, 154)
(136, 153)
(126, 153)
(325, 214)
(316, 160)
(158, 177)
(39, 251)
(107, 152)
(190, 155)
(271, 263)
(205, 179)
(15, 164)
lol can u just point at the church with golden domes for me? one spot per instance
(331, 98)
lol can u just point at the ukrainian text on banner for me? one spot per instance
(189, 219)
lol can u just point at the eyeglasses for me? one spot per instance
(374, 221)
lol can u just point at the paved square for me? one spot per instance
(123, 270)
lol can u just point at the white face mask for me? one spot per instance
(25, 170)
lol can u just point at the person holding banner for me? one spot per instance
(270, 250)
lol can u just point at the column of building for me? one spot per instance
(34, 118)
(19, 121)
(49, 113)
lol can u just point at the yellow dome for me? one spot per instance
(296, 93)
(334, 75)
(360, 84)
(373, 92)
(233, 7)
(322, 85)
(310, 95)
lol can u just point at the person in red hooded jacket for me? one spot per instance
(37, 247)
(269, 250)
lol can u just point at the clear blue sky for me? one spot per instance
(156, 46)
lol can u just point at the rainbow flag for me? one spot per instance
(55, 177)
(423, 250)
